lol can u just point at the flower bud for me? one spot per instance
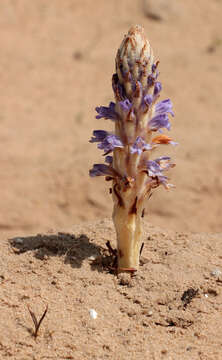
(134, 60)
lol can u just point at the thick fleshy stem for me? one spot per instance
(127, 218)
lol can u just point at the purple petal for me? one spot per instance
(157, 88)
(164, 106)
(152, 77)
(154, 66)
(150, 80)
(139, 146)
(158, 122)
(110, 142)
(125, 105)
(148, 99)
(162, 158)
(107, 112)
(99, 135)
(154, 168)
(164, 163)
(155, 171)
(100, 170)
(109, 159)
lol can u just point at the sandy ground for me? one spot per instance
(57, 59)
(170, 310)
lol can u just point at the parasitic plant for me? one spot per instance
(137, 115)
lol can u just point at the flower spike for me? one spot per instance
(137, 115)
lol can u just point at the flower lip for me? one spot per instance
(159, 121)
(107, 112)
(101, 170)
(98, 135)
(155, 172)
(110, 142)
(139, 146)
(157, 166)
(164, 163)
(125, 105)
(154, 168)
(164, 106)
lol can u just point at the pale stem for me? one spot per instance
(129, 232)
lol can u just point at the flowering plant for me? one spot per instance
(137, 115)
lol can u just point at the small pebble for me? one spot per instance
(93, 314)
(216, 272)
(124, 279)
(92, 257)
(206, 295)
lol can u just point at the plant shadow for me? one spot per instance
(74, 249)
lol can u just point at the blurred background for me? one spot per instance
(56, 63)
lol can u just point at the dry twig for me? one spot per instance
(35, 321)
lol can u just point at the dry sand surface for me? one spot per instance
(57, 59)
(170, 310)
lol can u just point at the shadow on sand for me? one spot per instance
(74, 249)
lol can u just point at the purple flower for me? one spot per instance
(148, 99)
(164, 106)
(107, 112)
(109, 159)
(152, 77)
(154, 168)
(99, 135)
(155, 172)
(159, 121)
(157, 88)
(139, 146)
(110, 142)
(154, 67)
(164, 162)
(125, 105)
(150, 80)
(162, 158)
(101, 170)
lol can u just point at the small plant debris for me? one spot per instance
(188, 296)
(35, 321)
(141, 249)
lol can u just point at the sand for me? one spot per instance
(56, 63)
